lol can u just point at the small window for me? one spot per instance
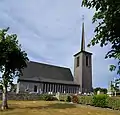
(89, 61)
(86, 60)
(77, 61)
(35, 88)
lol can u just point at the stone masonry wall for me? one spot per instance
(22, 97)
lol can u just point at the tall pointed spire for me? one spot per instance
(83, 36)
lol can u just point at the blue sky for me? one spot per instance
(50, 32)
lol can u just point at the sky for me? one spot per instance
(50, 32)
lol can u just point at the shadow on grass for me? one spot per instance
(9, 107)
(49, 106)
(54, 106)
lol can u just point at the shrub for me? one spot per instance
(62, 97)
(47, 97)
(41, 97)
(75, 99)
(87, 100)
(68, 99)
(114, 103)
(100, 100)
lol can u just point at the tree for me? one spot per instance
(12, 61)
(96, 90)
(1, 87)
(107, 16)
(12, 87)
(115, 85)
(103, 90)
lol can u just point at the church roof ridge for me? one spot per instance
(49, 64)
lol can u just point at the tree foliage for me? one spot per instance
(13, 87)
(12, 60)
(115, 85)
(107, 31)
(104, 90)
(1, 88)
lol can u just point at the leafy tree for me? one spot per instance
(12, 61)
(95, 90)
(104, 90)
(12, 88)
(115, 85)
(107, 32)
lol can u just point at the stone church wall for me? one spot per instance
(28, 86)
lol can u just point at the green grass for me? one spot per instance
(53, 108)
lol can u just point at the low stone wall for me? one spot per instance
(22, 97)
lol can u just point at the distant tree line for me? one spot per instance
(103, 90)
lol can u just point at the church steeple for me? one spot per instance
(83, 37)
(83, 66)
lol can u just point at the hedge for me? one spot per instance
(101, 100)
(114, 103)
(30, 97)
(47, 97)
(87, 100)
(96, 100)
(63, 97)
(68, 99)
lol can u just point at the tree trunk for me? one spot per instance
(4, 99)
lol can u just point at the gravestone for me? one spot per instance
(58, 95)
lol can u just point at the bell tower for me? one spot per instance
(83, 67)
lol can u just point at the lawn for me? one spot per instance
(53, 108)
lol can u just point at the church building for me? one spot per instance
(45, 78)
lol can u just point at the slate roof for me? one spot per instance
(47, 73)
